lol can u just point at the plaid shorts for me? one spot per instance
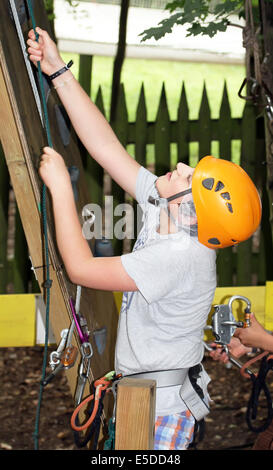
(174, 432)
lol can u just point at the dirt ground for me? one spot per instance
(20, 373)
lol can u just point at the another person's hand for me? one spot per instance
(235, 348)
(255, 336)
(53, 170)
(44, 51)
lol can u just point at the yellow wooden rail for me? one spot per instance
(22, 315)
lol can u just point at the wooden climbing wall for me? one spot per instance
(23, 136)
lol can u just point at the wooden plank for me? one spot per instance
(204, 125)
(224, 257)
(162, 136)
(183, 151)
(120, 127)
(248, 156)
(141, 129)
(20, 265)
(141, 134)
(85, 72)
(94, 172)
(23, 137)
(135, 414)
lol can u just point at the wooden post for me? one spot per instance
(94, 172)
(224, 258)
(21, 266)
(248, 158)
(183, 128)
(120, 127)
(204, 126)
(135, 414)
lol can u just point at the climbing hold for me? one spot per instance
(100, 337)
(63, 124)
(74, 176)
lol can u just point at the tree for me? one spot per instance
(120, 55)
(200, 17)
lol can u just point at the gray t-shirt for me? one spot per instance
(161, 325)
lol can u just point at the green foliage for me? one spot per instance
(202, 17)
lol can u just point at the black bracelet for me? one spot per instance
(62, 70)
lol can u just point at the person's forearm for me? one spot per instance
(72, 245)
(267, 343)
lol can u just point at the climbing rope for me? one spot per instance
(100, 385)
(93, 431)
(259, 385)
(48, 282)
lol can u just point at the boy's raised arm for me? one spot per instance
(92, 128)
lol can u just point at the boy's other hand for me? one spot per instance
(44, 51)
(235, 348)
(53, 170)
(218, 354)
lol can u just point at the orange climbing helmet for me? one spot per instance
(227, 203)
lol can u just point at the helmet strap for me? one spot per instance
(162, 201)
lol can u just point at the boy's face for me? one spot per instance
(176, 181)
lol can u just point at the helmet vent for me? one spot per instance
(208, 183)
(214, 241)
(226, 196)
(219, 186)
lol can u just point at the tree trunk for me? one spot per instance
(266, 12)
(119, 56)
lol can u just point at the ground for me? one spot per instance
(20, 372)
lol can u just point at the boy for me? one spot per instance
(170, 278)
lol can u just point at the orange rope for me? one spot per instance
(252, 361)
(100, 385)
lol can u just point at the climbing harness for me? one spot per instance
(190, 389)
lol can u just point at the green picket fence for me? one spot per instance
(159, 145)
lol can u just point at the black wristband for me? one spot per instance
(62, 70)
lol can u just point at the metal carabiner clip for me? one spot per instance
(84, 370)
(247, 322)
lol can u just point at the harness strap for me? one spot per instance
(164, 378)
(191, 392)
(193, 395)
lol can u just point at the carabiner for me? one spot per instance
(84, 370)
(247, 322)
